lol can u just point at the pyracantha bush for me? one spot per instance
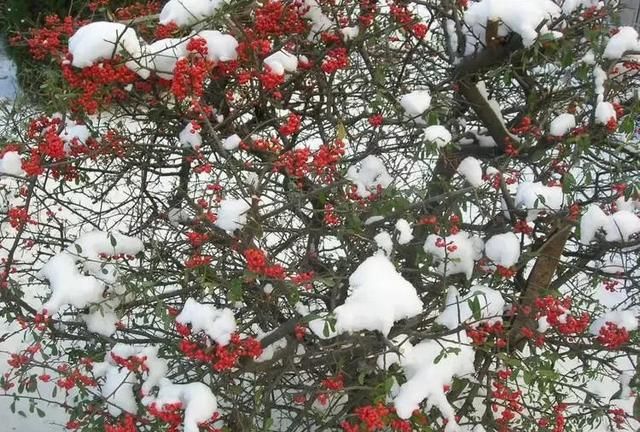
(315, 215)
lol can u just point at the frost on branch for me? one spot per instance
(379, 296)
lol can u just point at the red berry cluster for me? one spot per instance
(257, 263)
(557, 315)
(509, 400)
(278, 18)
(132, 363)
(336, 59)
(481, 333)
(292, 126)
(19, 217)
(612, 336)
(377, 417)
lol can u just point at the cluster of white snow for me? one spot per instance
(437, 134)
(522, 17)
(379, 296)
(536, 197)
(188, 12)
(119, 381)
(370, 174)
(471, 169)
(503, 249)
(220, 46)
(605, 112)
(102, 40)
(562, 125)
(281, 61)
(624, 319)
(626, 39)
(455, 253)
(197, 400)
(11, 164)
(384, 241)
(218, 324)
(405, 234)
(190, 137)
(231, 142)
(232, 214)
(416, 102)
(69, 286)
(619, 226)
(458, 310)
(429, 366)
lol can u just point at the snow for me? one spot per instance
(11, 164)
(592, 220)
(196, 398)
(503, 249)
(535, 197)
(190, 136)
(102, 318)
(471, 169)
(117, 387)
(281, 61)
(349, 33)
(416, 102)
(458, 256)
(68, 285)
(371, 174)
(562, 125)
(164, 54)
(626, 319)
(187, 12)
(379, 296)
(318, 326)
(268, 289)
(319, 21)
(97, 41)
(458, 310)
(522, 17)
(626, 39)
(405, 234)
(232, 214)
(605, 112)
(437, 134)
(231, 143)
(74, 131)
(218, 324)
(373, 219)
(621, 226)
(384, 241)
(220, 46)
(428, 371)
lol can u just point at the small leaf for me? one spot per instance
(113, 240)
(474, 304)
(78, 248)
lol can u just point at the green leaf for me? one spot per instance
(235, 293)
(568, 182)
(40, 412)
(113, 240)
(78, 248)
(474, 304)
